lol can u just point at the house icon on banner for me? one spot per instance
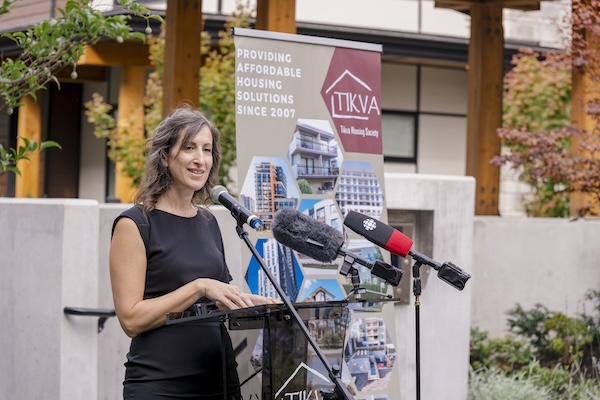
(298, 369)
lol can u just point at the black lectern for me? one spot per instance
(289, 366)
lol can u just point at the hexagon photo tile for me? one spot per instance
(315, 156)
(281, 263)
(369, 354)
(319, 290)
(269, 186)
(359, 190)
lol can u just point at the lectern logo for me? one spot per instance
(369, 224)
(283, 395)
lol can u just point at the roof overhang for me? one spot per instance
(403, 47)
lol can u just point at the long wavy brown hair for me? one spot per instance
(183, 120)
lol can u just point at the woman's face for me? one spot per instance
(190, 163)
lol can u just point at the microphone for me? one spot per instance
(379, 233)
(220, 195)
(306, 235)
(323, 243)
(398, 243)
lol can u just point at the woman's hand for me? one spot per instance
(227, 296)
(259, 300)
(242, 300)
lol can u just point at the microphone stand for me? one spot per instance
(341, 391)
(417, 292)
(449, 273)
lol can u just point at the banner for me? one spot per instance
(308, 127)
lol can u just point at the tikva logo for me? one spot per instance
(352, 92)
(283, 394)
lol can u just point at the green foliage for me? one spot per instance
(9, 158)
(506, 354)
(304, 186)
(122, 146)
(331, 340)
(490, 384)
(217, 87)
(531, 325)
(534, 382)
(6, 5)
(552, 353)
(55, 44)
(570, 338)
(217, 97)
(555, 337)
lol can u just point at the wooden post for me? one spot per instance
(182, 53)
(29, 126)
(276, 15)
(585, 89)
(484, 104)
(130, 119)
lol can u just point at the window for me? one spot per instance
(321, 213)
(399, 130)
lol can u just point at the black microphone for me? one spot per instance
(322, 242)
(220, 195)
(398, 243)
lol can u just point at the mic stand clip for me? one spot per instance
(357, 291)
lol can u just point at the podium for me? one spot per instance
(289, 367)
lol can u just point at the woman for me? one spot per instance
(181, 263)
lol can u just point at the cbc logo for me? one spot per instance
(369, 224)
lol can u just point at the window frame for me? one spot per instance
(415, 117)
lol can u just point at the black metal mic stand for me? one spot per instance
(341, 391)
(449, 273)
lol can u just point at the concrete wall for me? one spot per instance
(532, 260)
(444, 311)
(48, 260)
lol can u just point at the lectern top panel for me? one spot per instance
(307, 310)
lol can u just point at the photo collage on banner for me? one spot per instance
(308, 136)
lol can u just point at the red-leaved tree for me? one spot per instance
(552, 155)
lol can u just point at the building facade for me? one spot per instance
(424, 89)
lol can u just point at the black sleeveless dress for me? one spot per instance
(183, 360)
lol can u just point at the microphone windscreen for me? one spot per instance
(306, 235)
(379, 233)
(216, 192)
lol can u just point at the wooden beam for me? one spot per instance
(29, 126)
(85, 73)
(465, 5)
(111, 53)
(276, 15)
(484, 104)
(130, 120)
(182, 53)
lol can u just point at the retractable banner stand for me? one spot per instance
(308, 126)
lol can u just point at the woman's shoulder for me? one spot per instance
(206, 213)
(134, 213)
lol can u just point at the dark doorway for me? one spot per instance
(64, 122)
